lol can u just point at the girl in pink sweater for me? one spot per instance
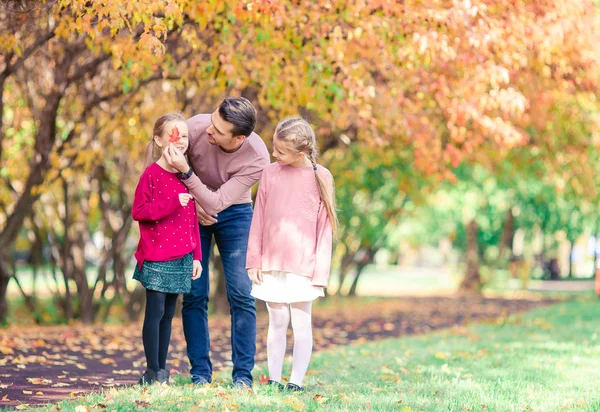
(169, 251)
(289, 250)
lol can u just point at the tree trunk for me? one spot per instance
(366, 259)
(597, 231)
(508, 234)
(345, 265)
(472, 280)
(136, 303)
(572, 244)
(38, 166)
(4, 279)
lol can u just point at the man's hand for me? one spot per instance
(204, 218)
(175, 158)
(255, 275)
(197, 270)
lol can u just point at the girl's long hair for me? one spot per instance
(153, 152)
(301, 138)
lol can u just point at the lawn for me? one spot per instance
(544, 360)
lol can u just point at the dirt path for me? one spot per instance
(45, 364)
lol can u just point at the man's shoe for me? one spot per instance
(242, 384)
(275, 384)
(294, 388)
(162, 376)
(148, 378)
(199, 380)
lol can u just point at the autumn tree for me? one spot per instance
(439, 83)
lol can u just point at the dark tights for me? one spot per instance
(156, 333)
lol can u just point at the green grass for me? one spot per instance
(545, 360)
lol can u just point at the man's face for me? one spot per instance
(220, 133)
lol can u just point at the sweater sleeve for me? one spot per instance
(229, 192)
(324, 241)
(198, 249)
(255, 239)
(146, 207)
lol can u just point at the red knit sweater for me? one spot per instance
(168, 230)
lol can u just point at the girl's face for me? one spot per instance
(283, 154)
(175, 132)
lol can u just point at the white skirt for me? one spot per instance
(284, 287)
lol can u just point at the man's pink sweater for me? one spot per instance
(222, 179)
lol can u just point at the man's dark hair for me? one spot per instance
(240, 113)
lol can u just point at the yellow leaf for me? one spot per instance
(6, 350)
(39, 393)
(39, 381)
(28, 392)
(320, 399)
(441, 355)
(23, 406)
(295, 403)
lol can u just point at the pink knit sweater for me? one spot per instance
(291, 231)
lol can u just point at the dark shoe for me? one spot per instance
(276, 384)
(162, 376)
(199, 380)
(294, 388)
(148, 378)
(242, 384)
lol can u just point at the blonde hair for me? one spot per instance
(153, 152)
(301, 139)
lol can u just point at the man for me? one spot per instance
(227, 159)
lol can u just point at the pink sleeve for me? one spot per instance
(145, 207)
(229, 192)
(254, 254)
(198, 249)
(324, 243)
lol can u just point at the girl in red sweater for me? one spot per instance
(169, 251)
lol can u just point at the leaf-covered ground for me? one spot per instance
(45, 364)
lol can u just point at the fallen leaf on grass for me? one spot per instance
(23, 406)
(441, 355)
(264, 379)
(320, 399)
(344, 397)
(6, 350)
(295, 403)
(142, 403)
(39, 381)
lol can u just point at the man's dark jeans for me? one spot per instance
(231, 235)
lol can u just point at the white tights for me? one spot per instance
(279, 319)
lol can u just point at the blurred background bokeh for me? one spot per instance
(463, 137)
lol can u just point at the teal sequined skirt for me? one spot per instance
(171, 276)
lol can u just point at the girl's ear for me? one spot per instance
(157, 141)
